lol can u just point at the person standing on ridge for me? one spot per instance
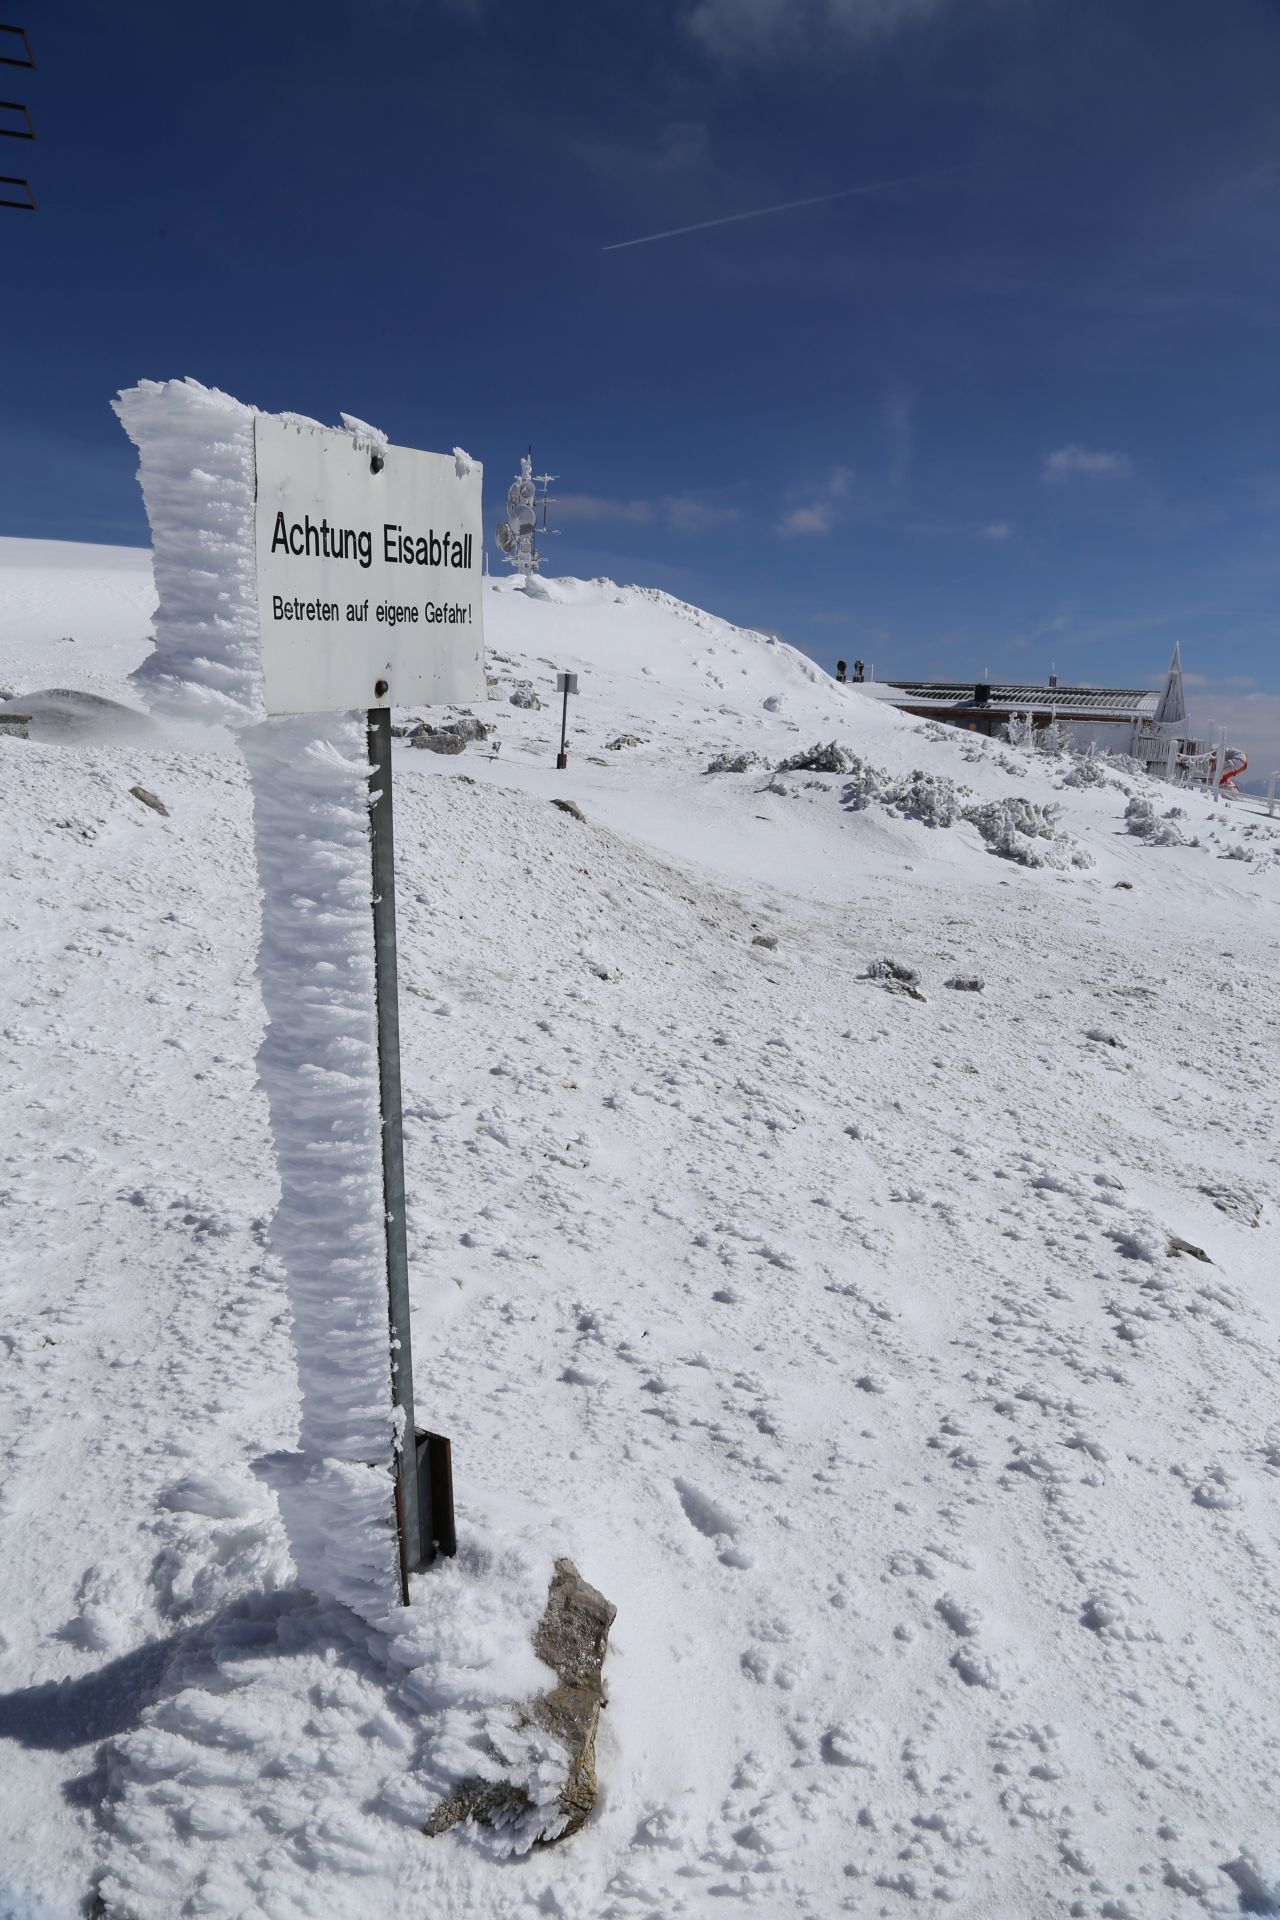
(841, 671)
(858, 671)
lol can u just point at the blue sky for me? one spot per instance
(1018, 409)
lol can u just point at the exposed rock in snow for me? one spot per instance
(896, 978)
(572, 1638)
(449, 736)
(1238, 1202)
(149, 799)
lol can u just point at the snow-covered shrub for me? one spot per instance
(831, 758)
(867, 785)
(931, 798)
(1140, 819)
(1015, 828)
(1020, 730)
(1021, 830)
(1088, 772)
(1054, 740)
(741, 761)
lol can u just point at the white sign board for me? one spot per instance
(369, 581)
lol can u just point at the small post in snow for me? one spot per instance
(1271, 791)
(566, 683)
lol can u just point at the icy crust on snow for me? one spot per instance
(318, 1064)
(196, 470)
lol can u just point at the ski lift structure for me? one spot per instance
(528, 499)
(15, 118)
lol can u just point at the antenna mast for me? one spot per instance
(515, 534)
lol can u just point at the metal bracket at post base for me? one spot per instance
(436, 1529)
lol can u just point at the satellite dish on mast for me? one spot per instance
(521, 511)
(506, 537)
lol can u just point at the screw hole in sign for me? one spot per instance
(380, 688)
(376, 463)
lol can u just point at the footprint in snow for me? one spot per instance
(714, 1521)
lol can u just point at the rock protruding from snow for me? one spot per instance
(895, 978)
(149, 799)
(572, 1639)
(1237, 1202)
(449, 736)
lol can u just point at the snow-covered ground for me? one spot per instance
(832, 1330)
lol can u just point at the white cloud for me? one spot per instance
(681, 512)
(1065, 462)
(760, 29)
(687, 514)
(592, 506)
(995, 530)
(819, 514)
(817, 518)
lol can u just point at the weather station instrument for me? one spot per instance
(527, 500)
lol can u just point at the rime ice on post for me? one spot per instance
(318, 1063)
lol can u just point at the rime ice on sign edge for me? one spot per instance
(318, 1063)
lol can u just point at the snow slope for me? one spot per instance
(833, 1332)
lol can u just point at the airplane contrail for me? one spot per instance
(758, 213)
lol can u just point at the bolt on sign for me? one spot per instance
(369, 572)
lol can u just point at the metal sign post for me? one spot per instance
(566, 683)
(424, 1462)
(368, 584)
